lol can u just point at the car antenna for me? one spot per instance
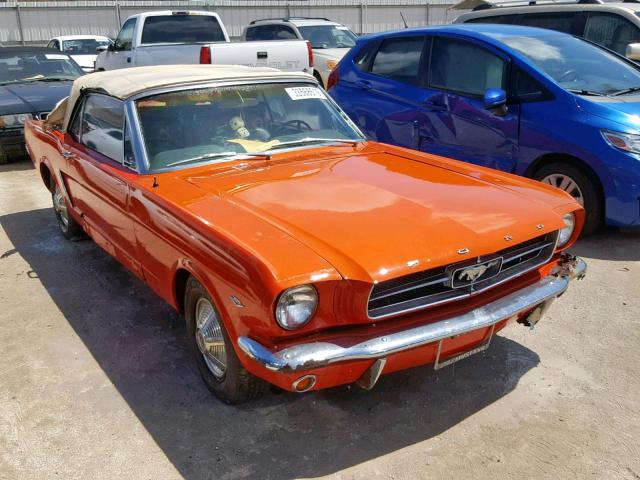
(403, 20)
(155, 182)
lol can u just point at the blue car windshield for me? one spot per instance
(577, 65)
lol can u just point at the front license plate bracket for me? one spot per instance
(438, 364)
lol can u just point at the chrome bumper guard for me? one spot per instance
(307, 356)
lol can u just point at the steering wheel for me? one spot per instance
(568, 73)
(300, 125)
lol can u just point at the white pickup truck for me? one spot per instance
(171, 38)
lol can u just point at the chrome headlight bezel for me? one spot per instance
(14, 120)
(628, 142)
(565, 234)
(296, 306)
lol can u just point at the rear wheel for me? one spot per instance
(68, 226)
(569, 178)
(217, 361)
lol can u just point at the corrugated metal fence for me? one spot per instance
(37, 22)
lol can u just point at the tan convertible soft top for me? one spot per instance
(127, 82)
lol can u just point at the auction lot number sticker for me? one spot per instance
(303, 93)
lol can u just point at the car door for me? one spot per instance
(388, 91)
(119, 54)
(459, 72)
(99, 171)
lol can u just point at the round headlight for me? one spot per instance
(296, 306)
(565, 233)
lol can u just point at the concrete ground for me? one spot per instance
(96, 382)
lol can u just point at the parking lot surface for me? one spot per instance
(96, 382)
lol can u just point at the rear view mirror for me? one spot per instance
(494, 98)
(633, 51)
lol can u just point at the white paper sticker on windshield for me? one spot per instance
(303, 93)
(55, 56)
(342, 28)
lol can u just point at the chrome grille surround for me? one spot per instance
(432, 287)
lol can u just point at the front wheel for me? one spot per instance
(69, 228)
(217, 361)
(569, 178)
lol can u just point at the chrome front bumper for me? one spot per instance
(306, 356)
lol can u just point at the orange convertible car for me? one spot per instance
(300, 254)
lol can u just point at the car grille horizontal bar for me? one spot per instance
(435, 286)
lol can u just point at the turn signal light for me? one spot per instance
(334, 77)
(304, 384)
(310, 52)
(205, 56)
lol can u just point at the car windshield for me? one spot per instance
(34, 67)
(328, 36)
(577, 65)
(83, 46)
(218, 124)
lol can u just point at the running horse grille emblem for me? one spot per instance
(471, 274)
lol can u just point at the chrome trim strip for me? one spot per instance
(411, 286)
(531, 250)
(318, 354)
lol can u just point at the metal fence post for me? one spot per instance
(19, 18)
(361, 17)
(427, 14)
(288, 10)
(118, 17)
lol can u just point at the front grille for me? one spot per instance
(435, 286)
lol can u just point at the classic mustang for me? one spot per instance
(299, 253)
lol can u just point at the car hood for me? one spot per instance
(85, 61)
(376, 215)
(624, 109)
(33, 97)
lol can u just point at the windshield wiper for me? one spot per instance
(308, 141)
(212, 156)
(626, 91)
(582, 91)
(50, 79)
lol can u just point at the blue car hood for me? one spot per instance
(34, 97)
(624, 109)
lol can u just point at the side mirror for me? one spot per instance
(633, 51)
(494, 98)
(102, 48)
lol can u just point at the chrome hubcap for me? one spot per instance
(565, 183)
(60, 207)
(209, 338)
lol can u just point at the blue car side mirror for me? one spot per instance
(494, 98)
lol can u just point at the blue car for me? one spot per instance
(533, 102)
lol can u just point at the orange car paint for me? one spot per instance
(340, 217)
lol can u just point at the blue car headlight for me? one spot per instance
(628, 142)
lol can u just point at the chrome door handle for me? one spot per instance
(67, 154)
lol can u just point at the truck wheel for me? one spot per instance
(68, 226)
(569, 178)
(217, 361)
(318, 78)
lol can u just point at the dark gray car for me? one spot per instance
(32, 81)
